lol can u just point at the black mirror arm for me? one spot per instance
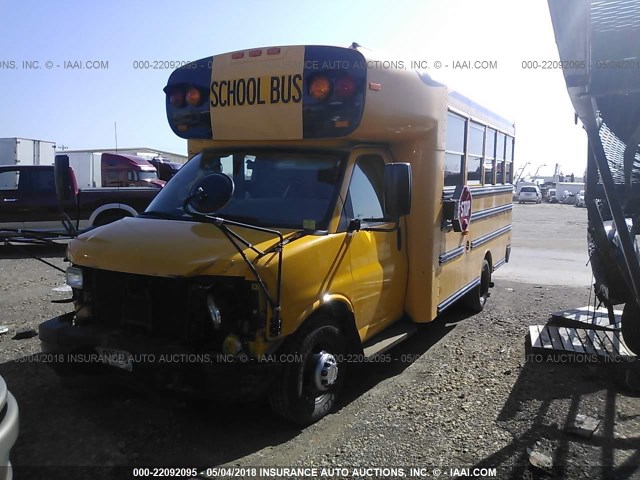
(356, 224)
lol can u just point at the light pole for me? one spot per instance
(537, 170)
(519, 176)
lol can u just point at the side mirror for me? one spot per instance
(397, 190)
(62, 177)
(211, 193)
(65, 184)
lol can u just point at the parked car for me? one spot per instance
(551, 198)
(580, 199)
(530, 194)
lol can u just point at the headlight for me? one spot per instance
(74, 277)
(214, 312)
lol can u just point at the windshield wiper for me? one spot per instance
(239, 218)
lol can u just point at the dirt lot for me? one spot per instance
(460, 393)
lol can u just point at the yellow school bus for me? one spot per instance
(331, 202)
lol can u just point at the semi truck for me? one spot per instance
(24, 151)
(94, 170)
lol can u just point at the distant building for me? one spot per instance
(144, 152)
(540, 179)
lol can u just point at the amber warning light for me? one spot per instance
(194, 97)
(319, 87)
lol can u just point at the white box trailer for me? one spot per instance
(87, 168)
(24, 151)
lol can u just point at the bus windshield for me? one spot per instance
(272, 188)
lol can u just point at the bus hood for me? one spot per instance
(167, 248)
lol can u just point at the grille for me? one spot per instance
(150, 305)
(171, 308)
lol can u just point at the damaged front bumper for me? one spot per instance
(91, 354)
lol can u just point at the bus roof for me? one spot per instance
(308, 92)
(468, 106)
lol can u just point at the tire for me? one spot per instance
(296, 395)
(631, 326)
(477, 298)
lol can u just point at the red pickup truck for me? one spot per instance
(28, 202)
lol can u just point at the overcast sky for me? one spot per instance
(78, 108)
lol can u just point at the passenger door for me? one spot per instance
(378, 258)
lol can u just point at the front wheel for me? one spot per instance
(476, 299)
(313, 376)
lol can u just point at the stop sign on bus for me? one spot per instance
(462, 215)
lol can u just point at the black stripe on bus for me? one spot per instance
(498, 264)
(490, 212)
(458, 295)
(491, 190)
(490, 236)
(450, 255)
(486, 191)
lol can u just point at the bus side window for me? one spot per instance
(490, 157)
(475, 147)
(509, 160)
(454, 150)
(364, 199)
(500, 144)
(452, 169)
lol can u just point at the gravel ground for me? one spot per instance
(460, 393)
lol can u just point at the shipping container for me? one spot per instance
(24, 151)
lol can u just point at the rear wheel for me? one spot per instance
(631, 326)
(314, 373)
(476, 299)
